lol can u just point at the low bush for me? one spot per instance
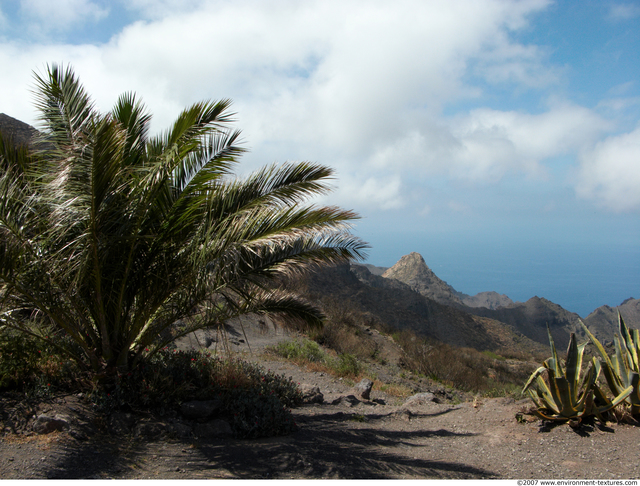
(343, 330)
(466, 369)
(35, 367)
(255, 401)
(309, 353)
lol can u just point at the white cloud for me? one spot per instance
(610, 173)
(372, 192)
(60, 15)
(485, 144)
(624, 11)
(362, 89)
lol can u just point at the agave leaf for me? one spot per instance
(617, 400)
(631, 353)
(554, 361)
(545, 395)
(533, 377)
(568, 406)
(551, 418)
(610, 367)
(573, 366)
(635, 335)
(538, 402)
(621, 361)
(587, 384)
(594, 340)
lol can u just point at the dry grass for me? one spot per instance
(466, 369)
(393, 389)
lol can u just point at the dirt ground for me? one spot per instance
(385, 437)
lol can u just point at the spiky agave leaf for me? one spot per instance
(566, 397)
(621, 370)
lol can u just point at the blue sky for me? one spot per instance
(499, 139)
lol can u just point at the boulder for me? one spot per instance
(311, 394)
(421, 399)
(181, 430)
(151, 429)
(363, 389)
(46, 424)
(348, 400)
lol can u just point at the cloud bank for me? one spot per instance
(390, 94)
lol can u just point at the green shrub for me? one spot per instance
(347, 365)
(301, 351)
(35, 367)
(306, 352)
(255, 401)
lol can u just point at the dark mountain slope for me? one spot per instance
(603, 322)
(531, 318)
(397, 306)
(490, 300)
(19, 132)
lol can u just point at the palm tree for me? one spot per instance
(109, 237)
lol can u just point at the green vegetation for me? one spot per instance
(309, 353)
(621, 370)
(114, 243)
(564, 396)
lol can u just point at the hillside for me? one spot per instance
(529, 319)
(392, 304)
(490, 300)
(603, 322)
(18, 131)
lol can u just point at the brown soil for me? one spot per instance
(385, 437)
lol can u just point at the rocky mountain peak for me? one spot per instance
(412, 270)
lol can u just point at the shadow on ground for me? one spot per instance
(325, 446)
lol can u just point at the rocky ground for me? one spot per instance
(432, 435)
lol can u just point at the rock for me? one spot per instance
(45, 424)
(349, 400)
(121, 423)
(200, 409)
(363, 389)
(181, 430)
(404, 414)
(311, 394)
(215, 429)
(150, 429)
(421, 399)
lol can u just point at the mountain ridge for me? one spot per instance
(529, 318)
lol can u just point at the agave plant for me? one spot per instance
(109, 236)
(622, 371)
(564, 396)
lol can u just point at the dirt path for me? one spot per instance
(382, 438)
